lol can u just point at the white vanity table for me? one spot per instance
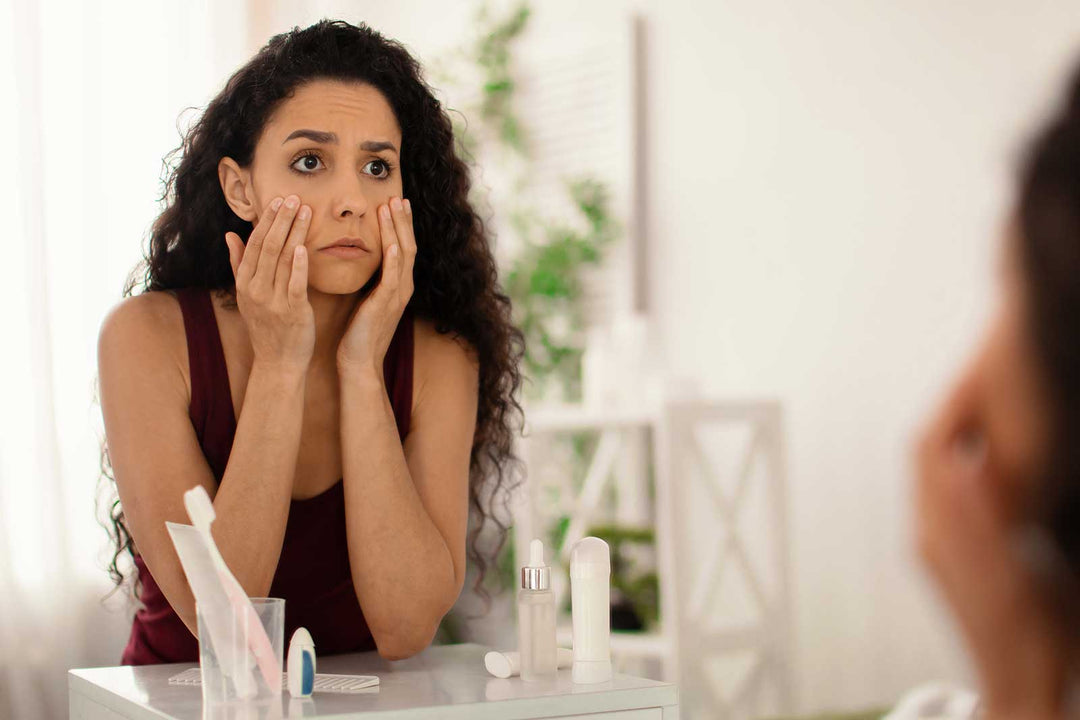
(447, 682)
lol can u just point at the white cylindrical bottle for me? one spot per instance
(590, 582)
(536, 617)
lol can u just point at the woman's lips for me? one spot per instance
(344, 251)
(347, 248)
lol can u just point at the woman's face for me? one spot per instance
(1013, 411)
(337, 146)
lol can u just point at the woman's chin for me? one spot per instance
(338, 283)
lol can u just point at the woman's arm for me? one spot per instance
(156, 456)
(406, 509)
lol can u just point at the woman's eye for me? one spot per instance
(307, 164)
(377, 168)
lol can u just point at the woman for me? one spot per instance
(322, 344)
(998, 496)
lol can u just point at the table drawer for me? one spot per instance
(641, 714)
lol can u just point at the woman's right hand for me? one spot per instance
(271, 274)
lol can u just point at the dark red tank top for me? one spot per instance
(313, 571)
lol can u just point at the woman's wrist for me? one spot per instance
(279, 374)
(361, 373)
(363, 381)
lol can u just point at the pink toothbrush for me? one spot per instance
(201, 512)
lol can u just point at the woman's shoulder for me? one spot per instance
(145, 332)
(149, 316)
(441, 357)
(433, 345)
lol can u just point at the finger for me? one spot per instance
(937, 452)
(255, 241)
(958, 420)
(274, 242)
(403, 227)
(391, 271)
(297, 236)
(298, 278)
(955, 472)
(401, 212)
(386, 229)
(236, 251)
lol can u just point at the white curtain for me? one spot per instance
(92, 95)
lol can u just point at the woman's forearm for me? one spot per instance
(252, 503)
(402, 569)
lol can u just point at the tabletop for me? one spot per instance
(447, 681)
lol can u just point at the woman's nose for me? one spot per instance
(349, 199)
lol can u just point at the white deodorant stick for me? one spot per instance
(590, 597)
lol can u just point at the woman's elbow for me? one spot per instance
(404, 642)
(408, 636)
(402, 635)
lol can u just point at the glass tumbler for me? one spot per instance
(217, 686)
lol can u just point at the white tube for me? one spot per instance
(590, 594)
(508, 664)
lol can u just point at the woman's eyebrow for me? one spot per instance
(329, 138)
(325, 138)
(378, 146)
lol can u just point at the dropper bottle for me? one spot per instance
(536, 617)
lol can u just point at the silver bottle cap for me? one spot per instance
(536, 575)
(535, 578)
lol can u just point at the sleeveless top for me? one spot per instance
(313, 572)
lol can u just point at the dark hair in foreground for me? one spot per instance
(1049, 255)
(456, 283)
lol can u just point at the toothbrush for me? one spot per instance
(221, 631)
(201, 511)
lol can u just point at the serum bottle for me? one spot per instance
(536, 618)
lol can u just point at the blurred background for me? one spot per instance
(750, 243)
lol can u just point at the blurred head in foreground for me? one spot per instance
(998, 495)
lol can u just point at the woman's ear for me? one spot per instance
(236, 184)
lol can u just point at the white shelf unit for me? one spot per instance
(690, 563)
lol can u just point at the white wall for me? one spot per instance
(824, 185)
(826, 181)
(93, 90)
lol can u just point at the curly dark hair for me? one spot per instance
(456, 279)
(1048, 248)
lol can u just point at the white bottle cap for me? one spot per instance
(536, 575)
(503, 665)
(590, 558)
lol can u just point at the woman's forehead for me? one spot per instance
(343, 108)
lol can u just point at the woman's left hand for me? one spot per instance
(376, 318)
(967, 538)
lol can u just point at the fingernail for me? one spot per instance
(408, 207)
(384, 212)
(305, 213)
(396, 204)
(292, 202)
(276, 204)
